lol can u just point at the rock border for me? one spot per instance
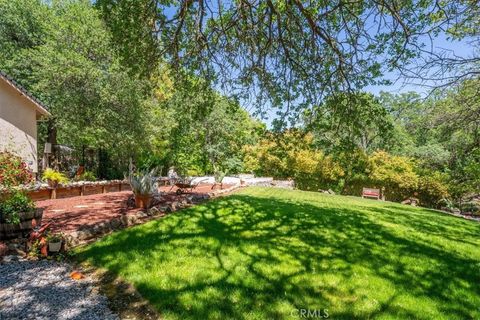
(92, 233)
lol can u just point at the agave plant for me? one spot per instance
(143, 183)
(219, 175)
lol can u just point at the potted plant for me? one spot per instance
(54, 178)
(17, 213)
(144, 187)
(218, 176)
(54, 242)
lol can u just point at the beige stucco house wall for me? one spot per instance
(19, 113)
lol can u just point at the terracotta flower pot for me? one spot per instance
(143, 201)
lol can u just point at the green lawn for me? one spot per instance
(264, 253)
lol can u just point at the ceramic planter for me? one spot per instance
(54, 246)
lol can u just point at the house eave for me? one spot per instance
(39, 108)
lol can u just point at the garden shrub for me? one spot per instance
(356, 166)
(266, 158)
(86, 176)
(251, 161)
(13, 171)
(14, 203)
(313, 170)
(275, 155)
(471, 207)
(432, 188)
(356, 183)
(293, 155)
(395, 174)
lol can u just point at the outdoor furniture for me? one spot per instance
(371, 193)
(185, 184)
(164, 181)
(173, 176)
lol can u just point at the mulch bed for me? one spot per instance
(72, 214)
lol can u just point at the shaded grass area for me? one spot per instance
(267, 253)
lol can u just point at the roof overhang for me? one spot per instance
(39, 107)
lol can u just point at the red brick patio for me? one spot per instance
(71, 214)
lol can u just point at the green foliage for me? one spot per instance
(35, 249)
(54, 237)
(66, 59)
(433, 187)
(313, 170)
(349, 121)
(130, 23)
(395, 174)
(219, 175)
(13, 171)
(86, 176)
(13, 203)
(54, 176)
(22, 26)
(196, 129)
(292, 155)
(432, 155)
(442, 132)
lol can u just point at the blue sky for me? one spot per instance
(400, 85)
(459, 48)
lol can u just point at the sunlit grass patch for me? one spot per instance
(266, 253)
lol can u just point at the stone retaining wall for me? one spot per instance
(269, 182)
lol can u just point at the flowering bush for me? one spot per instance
(13, 171)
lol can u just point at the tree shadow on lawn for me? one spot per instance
(249, 257)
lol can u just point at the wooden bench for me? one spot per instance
(371, 193)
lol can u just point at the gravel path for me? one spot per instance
(44, 290)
